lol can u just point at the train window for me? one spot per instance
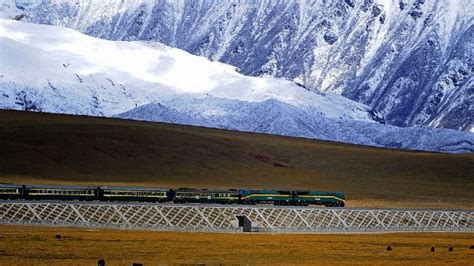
(8, 190)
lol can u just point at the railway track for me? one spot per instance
(225, 218)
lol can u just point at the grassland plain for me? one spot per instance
(39, 148)
(22, 245)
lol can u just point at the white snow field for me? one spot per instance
(62, 62)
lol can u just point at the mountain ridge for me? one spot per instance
(274, 117)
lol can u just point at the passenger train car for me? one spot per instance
(182, 195)
(185, 195)
(133, 194)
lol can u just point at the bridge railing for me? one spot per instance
(169, 217)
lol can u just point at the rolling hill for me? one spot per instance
(64, 149)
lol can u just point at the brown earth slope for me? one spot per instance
(62, 149)
(21, 245)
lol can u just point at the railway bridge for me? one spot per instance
(232, 218)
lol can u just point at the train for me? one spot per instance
(181, 195)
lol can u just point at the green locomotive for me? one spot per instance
(302, 198)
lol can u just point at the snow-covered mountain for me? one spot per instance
(55, 69)
(411, 61)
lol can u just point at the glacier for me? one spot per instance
(409, 61)
(55, 69)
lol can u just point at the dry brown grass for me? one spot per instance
(20, 245)
(60, 149)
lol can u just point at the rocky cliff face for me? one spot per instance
(411, 61)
